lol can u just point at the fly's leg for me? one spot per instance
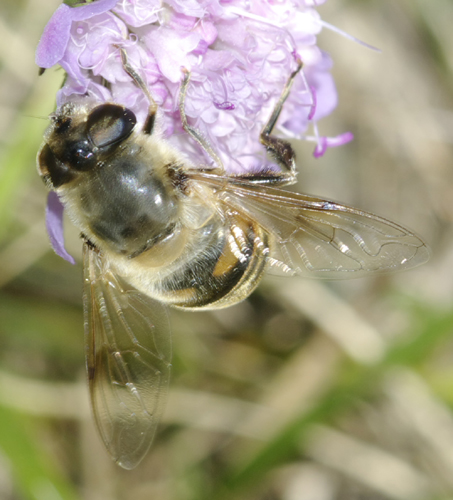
(279, 149)
(193, 132)
(152, 110)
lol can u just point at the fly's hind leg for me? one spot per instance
(279, 149)
(193, 132)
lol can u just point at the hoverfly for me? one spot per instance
(159, 231)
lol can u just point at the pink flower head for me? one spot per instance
(239, 52)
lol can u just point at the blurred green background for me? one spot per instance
(308, 390)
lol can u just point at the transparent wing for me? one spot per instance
(128, 353)
(319, 238)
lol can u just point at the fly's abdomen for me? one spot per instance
(223, 272)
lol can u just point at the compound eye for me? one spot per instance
(53, 170)
(109, 124)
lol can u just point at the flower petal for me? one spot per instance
(54, 225)
(54, 40)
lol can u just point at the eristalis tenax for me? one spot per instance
(159, 230)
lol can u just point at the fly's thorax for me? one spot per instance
(129, 206)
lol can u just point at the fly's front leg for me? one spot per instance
(279, 149)
(152, 110)
(193, 132)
